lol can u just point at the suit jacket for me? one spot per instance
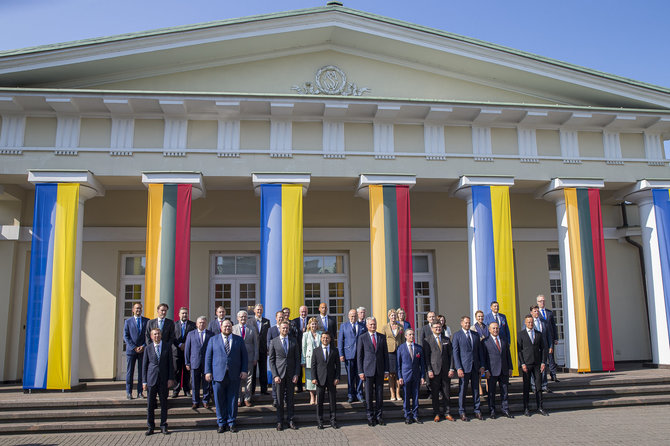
(325, 371)
(295, 325)
(284, 364)
(348, 338)
(531, 352)
(261, 334)
(504, 328)
(157, 370)
(250, 341)
(219, 363)
(195, 349)
(550, 319)
(332, 326)
(392, 342)
(132, 336)
(497, 362)
(214, 326)
(167, 333)
(424, 333)
(438, 361)
(179, 339)
(307, 347)
(372, 362)
(410, 368)
(547, 333)
(467, 357)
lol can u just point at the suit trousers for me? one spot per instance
(301, 375)
(225, 399)
(245, 386)
(503, 382)
(131, 359)
(197, 382)
(440, 384)
(160, 390)
(260, 373)
(284, 396)
(410, 402)
(320, 396)
(182, 376)
(553, 368)
(354, 383)
(374, 396)
(534, 372)
(472, 379)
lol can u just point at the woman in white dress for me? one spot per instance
(311, 339)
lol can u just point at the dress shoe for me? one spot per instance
(141, 395)
(280, 427)
(479, 416)
(547, 390)
(507, 414)
(350, 400)
(274, 404)
(149, 431)
(220, 430)
(240, 403)
(464, 417)
(195, 406)
(381, 422)
(556, 380)
(247, 403)
(543, 412)
(526, 412)
(234, 429)
(449, 417)
(408, 421)
(319, 426)
(175, 394)
(334, 424)
(371, 423)
(417, 421)
(164, 430)
(492, 415)
(436, 419)
(129, 396)
(205, 405)
(292, 425)
(187, 393)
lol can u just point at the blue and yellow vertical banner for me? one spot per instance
(661, 199)
(494, 257)
(281, 248)
(48, 350)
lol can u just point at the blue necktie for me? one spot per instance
(228, 345)
(139, 325)
(283, 341)
(160, 324)
(158, 353)
(183, 327)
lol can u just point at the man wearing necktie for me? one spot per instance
(501, 319)
(469, 363)
(326, 375)
(215, 325)
(372, 359)
(498, 369)
(541, 326)
(439, 358)
(411, 374)
(550, 319)
(327, 323)
(260, 325)
(532, 352)
(349, 333)
(134, 337)
(299, 327)
(194, 357)
(182, 376)
(284, 358)
(158, 376)
(251, 344)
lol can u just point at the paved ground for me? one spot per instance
(645, 425)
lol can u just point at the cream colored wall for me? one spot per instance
(95, 132)
(255, 135)
(358, 137)
(437, 210)
(202, 134)
(504, 141)
(7, 269)
(40, 132)
(532, 274)
(458, 139)
(408, 138)
(307, 136)
(632, 145)
(15, 266)
(528, 212)
(548, 142)
(117, 208)
(149, 133)
(591, 144)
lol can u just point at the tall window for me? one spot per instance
(326, 281)
(235, 283)
(556, 290)
(131, 291)
(424, 294)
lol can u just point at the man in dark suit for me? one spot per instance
(541, 325)
(372, 358)
(284, 362)
(165, 325)
(158, 376)
(225, 366)
(327, 323)
(501, 319)
(326, 376)
(550, 319)
(411, 374)
(194, 356)
(498, 368)
(134, 337)
(183, 377)
(426, 331)
(273, 332)
(532, 352)
(217, 322)
(261, 326)
(439, 358)
(299, 325)
(347, 341)
(469, 362)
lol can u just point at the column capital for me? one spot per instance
(261, 178)
(89, 186)
(641, 191)
(554, 190)
(177, 177)
(462, 188)
(373, 179)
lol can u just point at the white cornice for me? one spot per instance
(258, 179)
(176, 177)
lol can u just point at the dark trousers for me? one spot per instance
(354, 383)
(320, 396)
(374, 394)
(534, 371)
(553, 368)
(226, 393)
(472, 379)
(198, 382)
(440, 384)
(182, 376)
(301, 374)
(131, 359)
(491, 383)
(410, 401)
(260, 372)
(284, 396)
(161, 390)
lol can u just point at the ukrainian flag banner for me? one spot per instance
(391, 251)
(494, 258)
(593, 323)
(281, 248)
(48, 350)
(661, 199)
(168, 248)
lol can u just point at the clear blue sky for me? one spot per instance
(627, 38)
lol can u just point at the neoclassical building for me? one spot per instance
(324, 155)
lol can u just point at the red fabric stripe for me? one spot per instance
(405, 253)
(182, 251)
(602, 289)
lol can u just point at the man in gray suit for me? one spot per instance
(251, 343)
(285, 365)
(438, 353)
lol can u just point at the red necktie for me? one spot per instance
(374, 341)
(498, 344)
(243, 336)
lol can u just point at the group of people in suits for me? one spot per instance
(226, 361)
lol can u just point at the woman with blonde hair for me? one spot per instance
(401, 319)
(395, 335)
(311, 340)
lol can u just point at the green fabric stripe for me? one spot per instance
(391, 248)
(588, 271)
(168, 240)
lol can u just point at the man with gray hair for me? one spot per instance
(373, 366)
(195, 348)
(251, 343)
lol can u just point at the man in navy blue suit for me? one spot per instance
(411, 375)
(498, 369)
(158, 376)
(469, 362)
(372, 357)
(134, 337)
(194, 357)
(225, 365)
(548, 316)
(501, 319)
(347, 341)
